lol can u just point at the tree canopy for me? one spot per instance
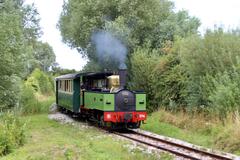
(20, 48)
(44, 55)
(136, 23)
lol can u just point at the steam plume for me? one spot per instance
(109, 48)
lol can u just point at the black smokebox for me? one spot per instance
(123, 76)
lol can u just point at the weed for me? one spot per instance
(48, 139)
(199, 129)
(12, 133)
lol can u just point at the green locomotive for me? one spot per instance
(102, 97)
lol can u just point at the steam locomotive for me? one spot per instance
(101, 97)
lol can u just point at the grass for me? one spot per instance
(12, 133)
(38, 104)
(50, 140)
(197, 129)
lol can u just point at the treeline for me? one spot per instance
(24, 71)
(20, 49)
(167, 57)
(197, 73)
(136, 23)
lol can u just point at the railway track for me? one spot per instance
(184, 151)
(180, 150)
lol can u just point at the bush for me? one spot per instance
(9, 92)
(225, 96)
(196, 74)
(169, 82)
(208, 62)
(143, 63)
(41, 82)
(37, 93)
(159, 74)
(31, 104)
(12, 133)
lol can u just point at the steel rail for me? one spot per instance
(174, 145)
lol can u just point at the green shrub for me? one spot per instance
(12, 133)
(9, 92)
(196, 74)
(158, 73)
(225, 96)
(169, 82)
(207, 62)
(37, 93)
(30, 104)
(143, 63)
(41, 82)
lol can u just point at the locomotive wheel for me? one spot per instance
(138, 124)
(101, 122)
(134, 125)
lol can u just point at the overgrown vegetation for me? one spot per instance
(198, 129)
(48, 140)
(36, 97)
(136, 23)
(21, 51)
(180, 70)
(177, 67)
(12, 133)
(196, 73)
(37, 93)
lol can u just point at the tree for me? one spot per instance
(19, 31)
(44, 55)
(12, 48)
(136, 23)
(212, 68)
(57, 70)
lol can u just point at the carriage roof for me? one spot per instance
(86, 74)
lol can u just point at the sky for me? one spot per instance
(50, 11)
(225, 13)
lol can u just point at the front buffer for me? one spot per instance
(124, 117)
(127, 119)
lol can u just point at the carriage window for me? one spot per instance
(66, 85)
(59, 85)
(63, 85)
(71, 85)
(65, 88)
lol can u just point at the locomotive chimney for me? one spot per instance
(123, 76)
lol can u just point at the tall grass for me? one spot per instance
(32, 103)
(37, 93)
(198, 128)
(12, 133)
(229, 137)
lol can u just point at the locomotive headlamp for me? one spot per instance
(109, 116)
(141, 115)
